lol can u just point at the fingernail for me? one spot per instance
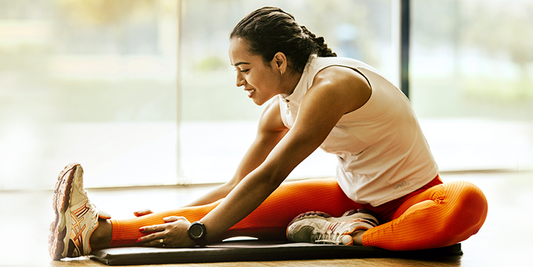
(141, 229)
(138, 240)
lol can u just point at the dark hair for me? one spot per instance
(269, 30)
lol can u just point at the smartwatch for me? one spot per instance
(197, 233)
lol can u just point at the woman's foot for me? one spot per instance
(75, 216)
(319, 227)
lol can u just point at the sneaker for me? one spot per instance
(75, 216)
(319, 227)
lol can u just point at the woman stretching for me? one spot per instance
(386, 172)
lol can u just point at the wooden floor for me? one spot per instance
(505, 239)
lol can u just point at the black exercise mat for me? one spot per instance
(256, 251)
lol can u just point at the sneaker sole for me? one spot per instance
(60, 203)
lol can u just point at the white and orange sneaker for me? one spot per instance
(75, 216)
(319, 227)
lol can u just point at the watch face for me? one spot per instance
(197, 231)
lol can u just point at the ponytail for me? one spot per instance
(322, 47)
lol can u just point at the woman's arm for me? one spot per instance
(269, 133)
(335, 92)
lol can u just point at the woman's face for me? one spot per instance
(261, 81)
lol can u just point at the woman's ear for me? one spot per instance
(280, 62)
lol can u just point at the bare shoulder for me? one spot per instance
(341, 74)
(349, 86)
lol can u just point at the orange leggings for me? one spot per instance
(436, 215)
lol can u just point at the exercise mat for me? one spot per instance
(257, 251)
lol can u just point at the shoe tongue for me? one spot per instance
(103, 215)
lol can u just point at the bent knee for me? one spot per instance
(468, 206)
(468, 195)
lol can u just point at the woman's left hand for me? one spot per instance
(171, 234)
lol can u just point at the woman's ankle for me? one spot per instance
(101, 237)
(357, 237)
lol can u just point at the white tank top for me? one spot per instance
(381, 150)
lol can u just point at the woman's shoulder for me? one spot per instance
(350, 87)
(340, 76)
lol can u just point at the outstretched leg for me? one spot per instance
(440, 216)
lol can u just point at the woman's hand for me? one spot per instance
(171, 234)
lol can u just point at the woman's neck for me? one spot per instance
(289, 82)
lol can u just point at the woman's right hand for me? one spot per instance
(141, 213)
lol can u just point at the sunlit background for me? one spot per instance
(141, 92)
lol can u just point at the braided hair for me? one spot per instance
(269, 30)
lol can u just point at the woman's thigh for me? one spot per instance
(294, 198)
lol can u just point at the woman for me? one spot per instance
(344, 106)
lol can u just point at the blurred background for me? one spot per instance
(141, 92)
